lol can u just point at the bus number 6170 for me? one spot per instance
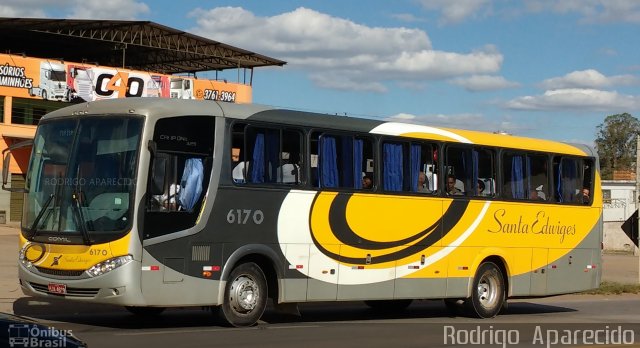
(244, 216)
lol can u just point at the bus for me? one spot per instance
(150, 204)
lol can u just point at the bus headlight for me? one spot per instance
(31, 253)
(22, 256)
(108, 265)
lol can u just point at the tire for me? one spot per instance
(44, 94)
(487, 293)
(145, 311)
(389, 305)
(245, 296)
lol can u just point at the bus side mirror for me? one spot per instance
(158, 174)
(6, 162)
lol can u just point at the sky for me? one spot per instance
(537, 68)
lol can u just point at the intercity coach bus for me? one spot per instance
(150, 203)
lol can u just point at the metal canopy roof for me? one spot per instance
(139, 45)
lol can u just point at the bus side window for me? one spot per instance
(484, 161)
(572, 180)
(408, 167)
(266, 155)
(515, 176)
(340, 161)
(459, 172)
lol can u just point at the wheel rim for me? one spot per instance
(244, 294)
(488, 290)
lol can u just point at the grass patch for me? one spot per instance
(613, 288)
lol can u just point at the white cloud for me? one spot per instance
(82, 9)
(478, 83)
(592, 11)
(589, 79)
(335, 48)
(111, 9)
(455, 11)
(25, 8)
(344, 83)
(577, 99)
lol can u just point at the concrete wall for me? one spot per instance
(615, 240)
(617, 208)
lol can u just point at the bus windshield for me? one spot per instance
(81, 177)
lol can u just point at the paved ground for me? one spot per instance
(617, 268)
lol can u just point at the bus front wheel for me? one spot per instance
(488, 291)
(245, 295)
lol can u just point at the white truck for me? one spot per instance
(53, 82)
(181, 88)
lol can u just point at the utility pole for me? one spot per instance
(637, 198)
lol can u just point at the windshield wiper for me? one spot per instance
(33, 230)
(79, 216)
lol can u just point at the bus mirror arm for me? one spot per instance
(6, 162)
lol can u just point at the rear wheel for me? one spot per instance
(488, 291)
(245, 295)
(388, 305)
(145, 311)
(44, 94)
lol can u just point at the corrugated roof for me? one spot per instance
(138, 45)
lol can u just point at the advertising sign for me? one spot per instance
(48, 79)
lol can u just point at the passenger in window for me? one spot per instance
(367, 183)
(423, 183)
(452, 190)
(536, 195)
(167, 201)
(481, 188)
(584, 197)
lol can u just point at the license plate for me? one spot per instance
(56, 288)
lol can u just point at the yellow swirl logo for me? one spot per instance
(34, 252)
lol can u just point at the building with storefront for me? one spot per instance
(46, 64)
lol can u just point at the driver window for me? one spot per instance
(182, 156)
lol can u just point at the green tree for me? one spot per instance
(616, 143)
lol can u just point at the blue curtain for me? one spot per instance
(328, 162)
(569, 179)
(528, 171)
(257, 166)
(191, 183)
(392, 167)
(559, 183)
(414, 169)
(517, 178)
(357, 163)
(272, 147)
(346, 161)
(474, 172)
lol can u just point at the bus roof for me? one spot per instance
(161, 107)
